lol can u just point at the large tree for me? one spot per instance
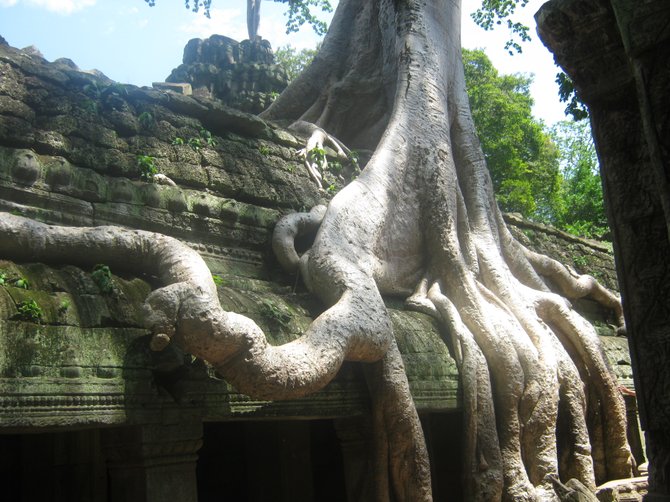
(420, 222)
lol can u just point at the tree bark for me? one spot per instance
(430, 223)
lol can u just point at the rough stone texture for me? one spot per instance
(91, 344)
(184, 89)
(585, 256)
(243, 75)
(624, 490)
(618, 55)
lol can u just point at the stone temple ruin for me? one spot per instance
(87, 410)
(242, 75)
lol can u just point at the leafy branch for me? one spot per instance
(493, 13)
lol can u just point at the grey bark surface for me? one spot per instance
(430, 226)
(420, 222)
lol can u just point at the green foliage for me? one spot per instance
(22, 283)
(520, 156)
(318, 155)
(204, 138)
(102, 276)
(274, 313)
(205, 5)
(146, 120)
(195, 144)
(567, 94)
(89, 105)
(582, 210)
(300, 12)
(207, 137)
(551, 176)
(331, 171)
(580, 261)
(335, 167)
(354, 158)
(218, 280)
(147, 167)
(493, 13)
(294, 61)
(30, 311)
(63, 306)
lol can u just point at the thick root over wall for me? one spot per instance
(421, 221)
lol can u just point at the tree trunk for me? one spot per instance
(420, 221)
(422, 217)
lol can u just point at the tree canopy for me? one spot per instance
(581, 210)
(547, 176)
(294, 61)
(521, 157)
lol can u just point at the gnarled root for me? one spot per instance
(576, 286)
(288, 229)
(483, 461)
(317, 139)
(516, 459)
(400, 459)
(186, 309)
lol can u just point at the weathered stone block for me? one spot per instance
(179, 88)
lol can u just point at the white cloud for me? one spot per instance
(229, 22)
(64, 7)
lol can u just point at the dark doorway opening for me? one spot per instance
(277, 461)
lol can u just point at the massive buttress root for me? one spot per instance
(540, 401)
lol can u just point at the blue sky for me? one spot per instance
(133, 43)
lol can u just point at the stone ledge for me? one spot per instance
(179, 88)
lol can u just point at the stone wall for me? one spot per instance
(243, 75)
(617, 52)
